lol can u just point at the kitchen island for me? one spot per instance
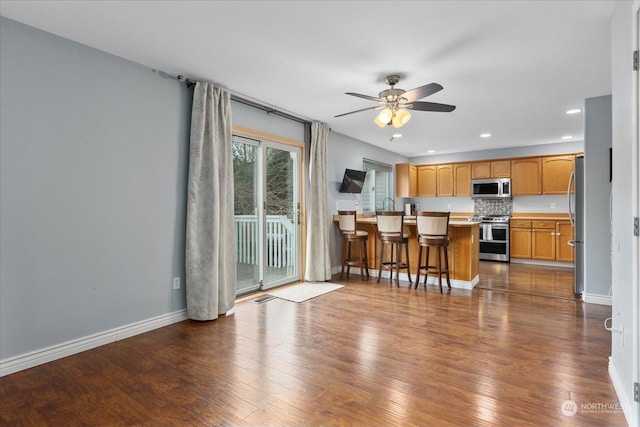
(463, 250)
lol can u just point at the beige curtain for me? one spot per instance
(318, 264)
(210, 247)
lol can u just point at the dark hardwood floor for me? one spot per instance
(367, 354)
(527, 279)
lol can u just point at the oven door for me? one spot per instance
(494, 242)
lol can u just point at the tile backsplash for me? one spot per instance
(493, 207)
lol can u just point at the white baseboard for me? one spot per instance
(561, 264)
(626, 402)
(58, 351)
(597, 299)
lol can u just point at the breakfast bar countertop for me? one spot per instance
(411, 220)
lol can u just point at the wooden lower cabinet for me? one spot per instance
(541, 239)
(564, 233)
(520, 242)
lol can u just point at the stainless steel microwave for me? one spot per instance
(493, 188)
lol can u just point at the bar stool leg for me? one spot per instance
(426, 273)
(439, 268)
(360, 261)
(364, 257)
(348, 257)
(393, 247)
(446, 265)
(342, 249)
(419, 266)
(380, 268)
(406, 250)
(398, 261)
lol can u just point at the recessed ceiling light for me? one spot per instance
(397, 135)
(431, 151)
(567, 137)
(574, 111)
(485, 135)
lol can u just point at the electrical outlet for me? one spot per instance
(553, 205)
(449, 206)
(176, 283)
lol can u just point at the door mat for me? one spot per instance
(305, 291)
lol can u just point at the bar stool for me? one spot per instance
(391, 232)
(349, 234)
(433, 232)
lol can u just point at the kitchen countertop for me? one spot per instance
(411, 220)
(541, 216)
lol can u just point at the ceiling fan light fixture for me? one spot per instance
(384, 118)
(400, 118)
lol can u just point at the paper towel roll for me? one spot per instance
(407, 209)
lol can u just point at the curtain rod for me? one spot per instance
(253, 104)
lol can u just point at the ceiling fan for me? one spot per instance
(395, 103)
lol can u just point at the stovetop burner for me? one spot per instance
(490, 218)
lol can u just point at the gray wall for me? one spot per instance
(623, 364)
(503, 153)
(93, 165)
(597, 197)
(94, 161)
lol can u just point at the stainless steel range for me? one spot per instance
(494, 237)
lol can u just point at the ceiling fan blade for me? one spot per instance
(432, 106)
(377, 107)
(421, 92)
(370, 98)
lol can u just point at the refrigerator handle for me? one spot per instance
(571, 180)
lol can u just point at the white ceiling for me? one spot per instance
(512, 68)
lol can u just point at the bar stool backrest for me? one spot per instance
(433, 223)
(347, 221)
(390, 222)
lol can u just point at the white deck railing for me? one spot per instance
(280, 245)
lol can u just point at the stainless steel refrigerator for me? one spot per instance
(576, 215)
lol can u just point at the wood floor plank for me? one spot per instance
(367, 354)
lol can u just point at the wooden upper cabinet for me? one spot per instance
(480, 170)
(413, 180)
(427, 180)
(445, 180)
(556, 172)
(491, 169)
(406, 180)
(501, 169)
(462, 179)
(526, 176)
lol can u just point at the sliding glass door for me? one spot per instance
(267, 213)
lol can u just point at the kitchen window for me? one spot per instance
(377, 185)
